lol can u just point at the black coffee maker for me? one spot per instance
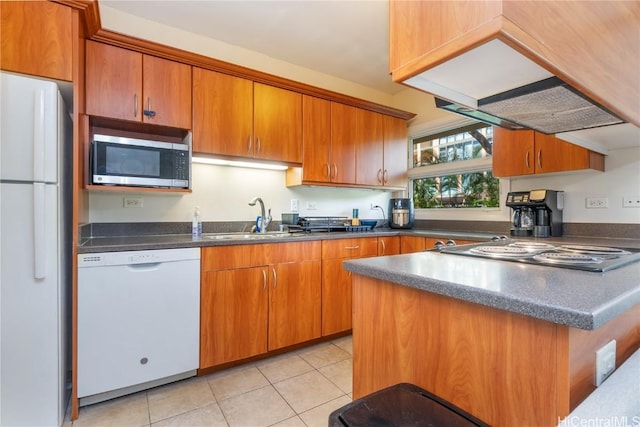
(536, 213)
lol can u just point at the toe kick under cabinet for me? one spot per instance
(258, 298)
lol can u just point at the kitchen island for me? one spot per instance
(511, 344)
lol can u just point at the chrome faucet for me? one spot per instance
(264, 220)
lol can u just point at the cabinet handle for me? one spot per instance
(258, 146)
(335, 170)
(380, 176)
(264, 280)
(249, 144)
(540, 159)
(385, 176)
(275, 278)
(384, 247)
(135, 105)
(526, 160)
(149, 112)
(352, 247)
(328, 171)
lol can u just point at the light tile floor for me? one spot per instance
(300, 388)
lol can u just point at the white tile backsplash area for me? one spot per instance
(223, 194)
(621, 178)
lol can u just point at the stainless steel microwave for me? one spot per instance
(138, 162)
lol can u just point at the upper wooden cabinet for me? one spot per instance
(127, 85)
(369, 148)
(277, 124)
(36, 39)
(236, 117)
(527, 152)
(222, 114)
(349, 146)
(579, 42)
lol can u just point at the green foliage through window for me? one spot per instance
(455, 189)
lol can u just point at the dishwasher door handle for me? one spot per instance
(147, 266)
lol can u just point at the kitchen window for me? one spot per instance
(452, 169)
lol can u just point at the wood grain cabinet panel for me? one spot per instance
(233, 315)
(343, 143)
(122, 84)
(36, 39)
(294, 303)
(395, 163)
(258, 298)
(316, 139)
(410, 244)
(369, 148)
(388, 245)
(222, 114)
(336, 281)
(526, 152)
(277, 124)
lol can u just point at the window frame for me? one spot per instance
(500, 213)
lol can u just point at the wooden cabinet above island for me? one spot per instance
(511, 344)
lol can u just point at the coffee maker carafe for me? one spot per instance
(536, 213)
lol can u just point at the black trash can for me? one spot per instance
(401, 405)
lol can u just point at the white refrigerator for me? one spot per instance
(35, 252)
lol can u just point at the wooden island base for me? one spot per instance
(504, 368)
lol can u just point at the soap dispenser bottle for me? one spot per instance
(196, 224)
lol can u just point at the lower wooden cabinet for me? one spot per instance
(258, 298)
(388, 245)
(336, 281)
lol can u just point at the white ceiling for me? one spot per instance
(344, 38)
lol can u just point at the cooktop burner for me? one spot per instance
(578, 257)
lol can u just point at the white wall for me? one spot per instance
(223, 194)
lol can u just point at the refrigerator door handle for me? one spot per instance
(39, 225)
(38, 135)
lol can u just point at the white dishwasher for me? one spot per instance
(138, 320)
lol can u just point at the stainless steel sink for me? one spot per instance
(248, 236)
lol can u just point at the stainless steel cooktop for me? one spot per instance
(577, 257)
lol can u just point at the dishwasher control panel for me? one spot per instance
(137, 257)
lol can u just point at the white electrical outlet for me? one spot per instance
(132, 202)
(596, 202)
(312, 206)
(605, 362)
(294, 205)
(631, 202)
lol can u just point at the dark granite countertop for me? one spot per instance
(579, 299)
(168, 241)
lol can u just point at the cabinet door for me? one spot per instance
(336, 297)
(167, 92)
(395, 152)
(36, 39)
(316, 139)
(343, 143)
(294, 303)
(233, 315)
(513, 152)
(554, 155)
(222, 114)
(113, 82)
(388, 245)
(409, 244)
(369, 148)
(277, 124)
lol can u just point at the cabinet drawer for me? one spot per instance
(349, 248)
(243, 256)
